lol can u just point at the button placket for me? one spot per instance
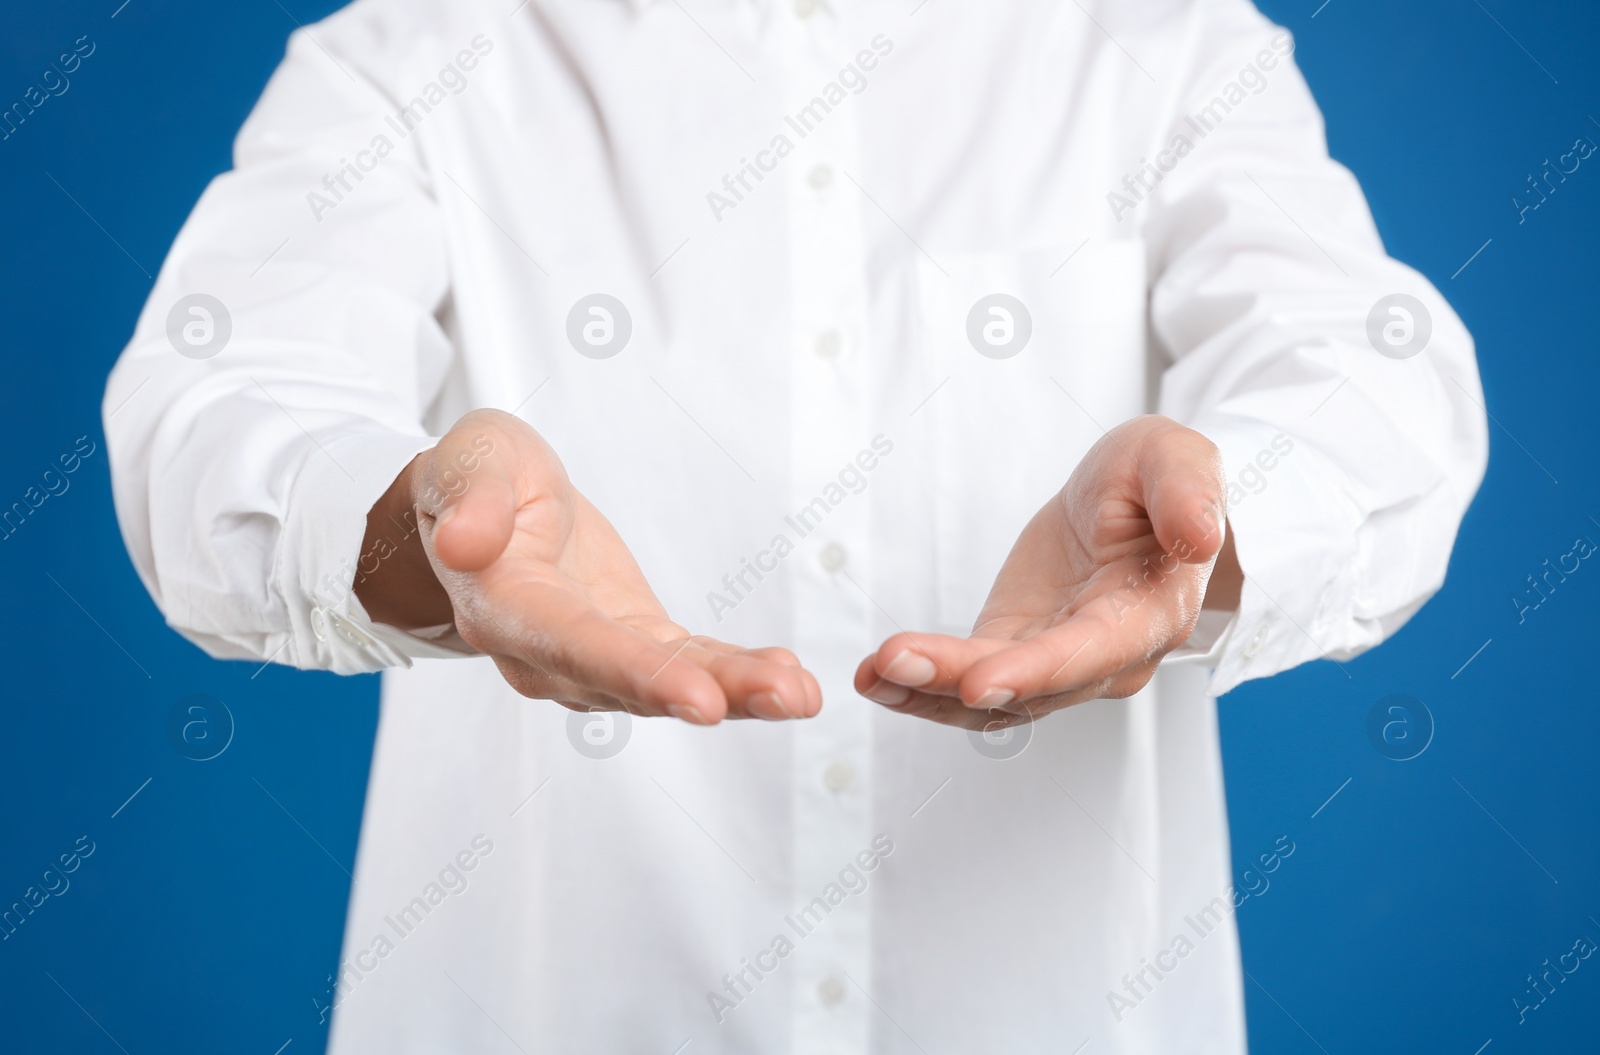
(828, 344)
(839, 777)
(833, 620)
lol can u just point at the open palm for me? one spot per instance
(1105, 579)
(539, 580)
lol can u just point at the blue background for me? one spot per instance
(1417, 899)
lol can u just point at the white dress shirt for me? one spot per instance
(798, 207)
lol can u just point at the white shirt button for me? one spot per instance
(832, 557)
(820, 176)
(1256, 642)
(839, 776)
(805, 8)
(349, 631)
(831, 991)
(828, 343)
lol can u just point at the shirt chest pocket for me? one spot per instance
(1039, 359)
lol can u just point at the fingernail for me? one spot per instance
(995, 698)
(685, 713)
(769, 705)
(910, 668)
(888, 693)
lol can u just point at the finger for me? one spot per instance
(1183, 491)
(540, 683)
(468, 483)
(874, 688)
(569, 638)
(811, 692)
(948, 710)
(869, 683)
(812, 704)
(933, 663)
(755, 685)
(537, 683)
(774, 653)
(1080, 657)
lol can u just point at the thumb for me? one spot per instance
(467, 483)
(1183, 488)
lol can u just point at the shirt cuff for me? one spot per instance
(1295, 537)
(320, 547)
(1204, 646)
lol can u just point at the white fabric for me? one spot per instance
(573, 148)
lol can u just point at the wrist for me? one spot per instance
(395, 581)
(1227, 578)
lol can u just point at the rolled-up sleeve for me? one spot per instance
(1349, 467)
(242, 478)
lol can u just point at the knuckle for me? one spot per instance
(903, 639)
